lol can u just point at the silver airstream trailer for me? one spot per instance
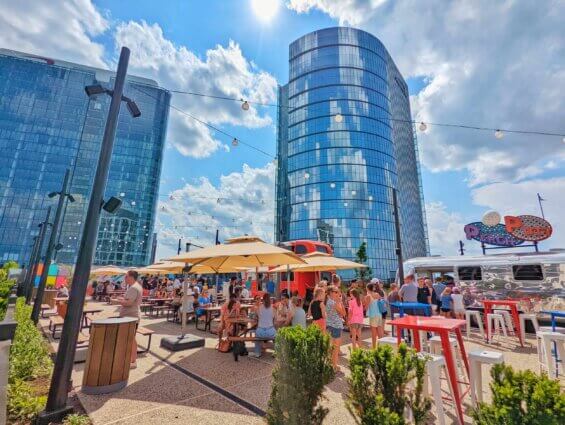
(536, 275)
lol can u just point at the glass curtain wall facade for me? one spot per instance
(47, 125)
(344, 141)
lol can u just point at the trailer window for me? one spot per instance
(470, 273)
(300, 249)
(528, 272)
(322, 248)
(284, 279)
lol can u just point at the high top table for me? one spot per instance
(443, 327)
(513, 305)
(401, 306)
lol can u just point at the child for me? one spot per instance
(446, 302)
(458, 307)
(317, 309)
(355, 317)
(374, 313)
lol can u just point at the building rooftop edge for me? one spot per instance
(101, 74)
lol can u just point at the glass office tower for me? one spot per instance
(47, 125)
(345, 140)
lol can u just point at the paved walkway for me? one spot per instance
(171, 387)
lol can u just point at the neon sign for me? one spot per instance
(515, 230)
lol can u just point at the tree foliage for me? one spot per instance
(303, 367)
(366, 273)
(383, 383)
(521, 398)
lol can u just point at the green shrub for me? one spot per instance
(379, 388)
(5, 290)
(521, 398)
(76, 419)
(30, 368)
(303, 367)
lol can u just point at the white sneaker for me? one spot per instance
(254, 354)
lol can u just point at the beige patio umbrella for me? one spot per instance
(320, 262)
(241, 252)
(148, 270)
(109, 270)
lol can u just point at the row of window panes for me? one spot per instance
(349, 123)
(338, 139)
(342, 107)
(342, 172)
(336, 92)
(360, 157)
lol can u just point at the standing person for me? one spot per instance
(265, 324)
(424, 293)
(458, 306)
(374, 313)
(439, 287)
(231, 286)
(317, 309)
(130, 307)
(393, 297)
(446, 302)
(409, 291)
(335, 312)
(355, 317)
(298, 314)
(433, 296)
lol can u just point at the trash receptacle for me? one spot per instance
(109, 351)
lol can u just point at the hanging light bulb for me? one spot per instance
(345, 204)
(306, 176)
(234, 142)
(370, 198)
(245, 105)
(353, 192)
(423, 126)
(305, 204)
(338, 117)
(332, 185)
(498, 134)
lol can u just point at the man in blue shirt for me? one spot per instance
(439, 287)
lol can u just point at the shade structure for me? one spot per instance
(242, 252)
(321, 262)
(109, 270)
(147, 270)
(169, 266)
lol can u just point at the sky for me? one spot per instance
(489, 64)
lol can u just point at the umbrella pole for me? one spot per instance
(288, 284)
(184, 307)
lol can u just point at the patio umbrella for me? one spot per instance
(148, 270)
(108, 271)
(320, 262)
(243, 252)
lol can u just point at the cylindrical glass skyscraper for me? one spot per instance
(345, 140)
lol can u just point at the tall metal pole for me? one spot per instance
(56, 407)
(398, 240)
(41, 237)
(50, 248)
(540, 200)
(22, 287)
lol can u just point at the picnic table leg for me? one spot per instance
(417, 344)
(485, 319)
(516, 320)
(398, 334)
(459, 336)
(452, 372)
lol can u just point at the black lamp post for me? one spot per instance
(56, 407)
(35, 261)
(398, 240)
(63, 195)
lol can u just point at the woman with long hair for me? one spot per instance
(265, 324)
(317, 309)
(355, 317)
(335, 312)
(230, 310)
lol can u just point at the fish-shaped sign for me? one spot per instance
(492, 235)
(528, 227)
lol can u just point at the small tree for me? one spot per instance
(366, 273)
(10, 265)
(521, 398)
(379, 389)
(302, 369)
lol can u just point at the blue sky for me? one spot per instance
(465, 62)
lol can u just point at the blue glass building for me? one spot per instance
(47, 125)
(344, 140)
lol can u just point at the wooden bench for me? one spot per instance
(82, 339)
(158, 308)
(44, 308)
(148, 333)
(145, 307)
(54, 323)
(245, 339)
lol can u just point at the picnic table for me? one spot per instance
(402, 306)
(513, 305)
(160, 300)
(242, 321)
(208, 313)
(86, 311)
(554, 315)
(443, 327)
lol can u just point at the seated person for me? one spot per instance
(298, 314)
(203, 301)
(283, 314)
(245, 292)
(63, 292)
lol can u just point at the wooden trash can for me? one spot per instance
(109, 352)
(49, 297)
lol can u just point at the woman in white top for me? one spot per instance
(265, 325)
(298, 314)
(458, 307)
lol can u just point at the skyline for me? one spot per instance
(445, 85)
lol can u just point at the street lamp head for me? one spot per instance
(59, 247)
(94, 90)
(112, 204)
(71, 198)
(133, 109)
(53, 194)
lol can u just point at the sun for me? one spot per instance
(265, 10)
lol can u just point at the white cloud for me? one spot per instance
(520, 198)
(224, 71)
(242, 203)
(445, 230)
(491, 64)
(59, 29)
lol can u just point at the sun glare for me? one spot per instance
(265, 10)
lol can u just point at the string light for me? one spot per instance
(234, 142)
(306, 176)
(499, 134)
(338, 118)
(423, 126)
(245, 105)
(332, 185)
